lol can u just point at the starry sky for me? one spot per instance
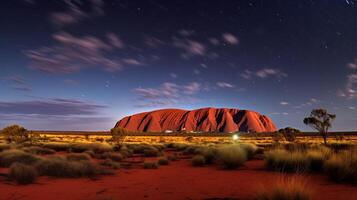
(84, 64)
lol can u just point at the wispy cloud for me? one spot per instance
(57, 106)
(18, 82)
(264, 73)
(350, 91)
(166, 94)
(230, 38)
(352, 65)
(310, 102)
(190, 47)
(74, 13)
(225, 85)
(71, 54)
(284, 103)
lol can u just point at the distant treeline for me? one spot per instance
(242, 134)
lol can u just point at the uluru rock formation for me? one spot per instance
(200, 120)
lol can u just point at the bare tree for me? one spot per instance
(320, 120)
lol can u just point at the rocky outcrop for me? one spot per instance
(200, 120)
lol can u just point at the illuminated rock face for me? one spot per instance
(201, 120)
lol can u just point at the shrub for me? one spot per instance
(90, 153)
(4, 147)
(11, 156)
(112, 156)
(110, 163)
(283, 160)
(22, 174)
(342, 166)
(173, 157)
(163, 161)
(97, 148)
(179, 146)
(60, 167)
(150, 165)
(208, 153)
(39, 150)
(15, 133)
(287, 189)
(151, 152)
(198, 161)
(231, 156)
(77, 157)
(250, 149)
(316, 160)
(190, 149)
(57, 146)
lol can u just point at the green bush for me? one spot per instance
(60, 167)
(198, 161)
(173, 157)
(97, 148)
(208, 153)
(39, 150)
(112, 156)
(150, 165)
(151, 152)
(22, 174)
(163, 161)
(250, 149)
(110, 163)
(283, 160)
(15, 133)
(57, 146)
(11, 156)
(78, 156)
(287, 189)
(231, 156)
(342, 166)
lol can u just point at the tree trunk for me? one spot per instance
(324, 135)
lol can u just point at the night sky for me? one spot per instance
(84, 64)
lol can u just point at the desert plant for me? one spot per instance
(294, 188)
(97, 148)
(15, 133)
(283, 160)
(289, 133)
(150, 165)
(208, 153)
(118, 135)
(8, 157)
(77, 157)
(22, 174)
(38, 150)
(112, 156)
(60, 167)
(342, 166)
(316, 159)
(163, 161)
(250, 149)
(4, 147)
(173, 157)
(320, 120)
(151, 152)
(110, 163)
(198, 161)
(231, 156)
(57, 146)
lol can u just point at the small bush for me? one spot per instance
(283, 160)
(163, 161)
(198, 161)
(4, 147)
(97, 148)
(231, 156)
(316, 160)
(150, 165)
(288, 189)
(39, 150)
(60, 167)
(90, 153)
(77, 157)
(342, 166)
(11, 156)
(190, 150)
(173, 157)
(208, 153)
(110, 163)
(250, 149)
(179, 146)
(22, 174)
(151, 152)
(57, 146)
(15, 133)
(112, 156)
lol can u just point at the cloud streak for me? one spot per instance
(166, 94)
(264, 73)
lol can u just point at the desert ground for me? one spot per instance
(180, 167)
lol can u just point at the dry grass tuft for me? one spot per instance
(22, 174)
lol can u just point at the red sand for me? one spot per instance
(205, 120)
(178, 180)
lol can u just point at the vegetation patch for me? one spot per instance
(22, 174)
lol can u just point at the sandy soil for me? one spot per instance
(179, 180)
